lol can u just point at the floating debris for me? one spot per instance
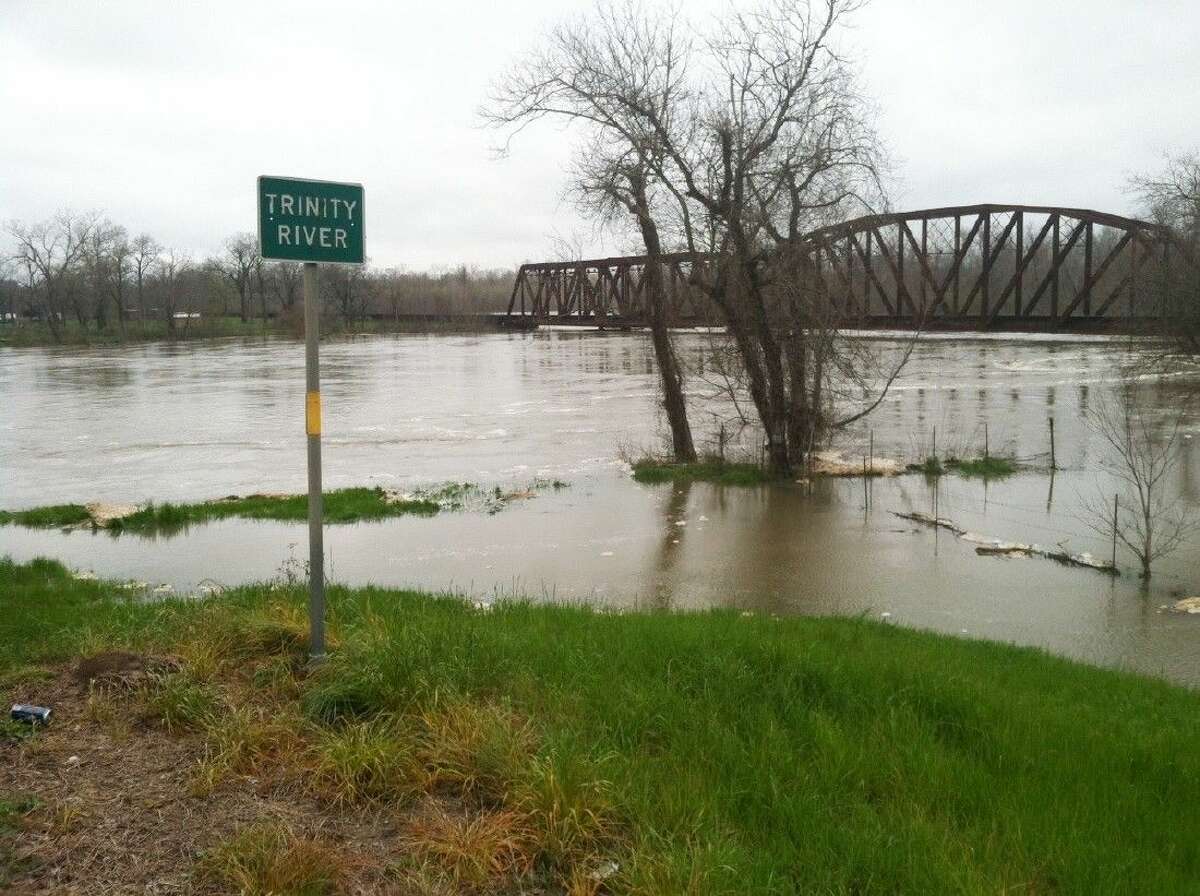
(997, 547)
(84, 576)
(103, 515)
(1189, 605)
(832, 463)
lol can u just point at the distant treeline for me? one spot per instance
(82, 273)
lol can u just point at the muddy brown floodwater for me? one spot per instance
(195, 421)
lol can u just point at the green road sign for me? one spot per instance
(310, 220)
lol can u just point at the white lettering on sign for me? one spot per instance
(285, 235)
(311, 206)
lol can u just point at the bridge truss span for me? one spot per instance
(998, 267)
(995, 267)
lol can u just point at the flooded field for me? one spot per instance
(188, 422)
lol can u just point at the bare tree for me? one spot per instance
(143, 255)
(780, 142)
(285, 280)
(346, 286)
(107, 259)
(1171, 198)
(1144, 451)
(170, 274)
(50, 252)
(238, 264)
(603, 73)
(735, 156)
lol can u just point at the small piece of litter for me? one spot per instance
(73, 760)
(746, 614)
(703, 519)
(606, 553)
(85, 576)
(681, 522)
(605, 870)
(885, 615)
(164, 589)
(30, 714)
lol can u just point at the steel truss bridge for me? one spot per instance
(975, 267)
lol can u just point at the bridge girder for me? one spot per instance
(980, 266)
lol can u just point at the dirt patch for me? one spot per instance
(118, 668)
(118, 810)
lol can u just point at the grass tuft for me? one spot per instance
(180, 703)
(271, 859)
(364, 762)
(570, 807)
(472, 849)
(474, 749)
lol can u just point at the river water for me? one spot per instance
(194, 421)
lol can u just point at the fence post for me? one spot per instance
(1114, 538)
(1053, 462)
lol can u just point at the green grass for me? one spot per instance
(708, 752)
(655, 470)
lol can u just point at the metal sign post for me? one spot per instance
(312, 428)
(312, 221)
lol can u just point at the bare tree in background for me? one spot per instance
(285, 280)
(144, 252)
(603, 73)
(1144, 451)
(170, 274)
(1171, 197)
(50, 253)
(238, 265)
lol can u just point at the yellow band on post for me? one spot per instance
(312, 413)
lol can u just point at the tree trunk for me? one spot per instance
(670, 373)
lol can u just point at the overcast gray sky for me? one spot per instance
(162, 114)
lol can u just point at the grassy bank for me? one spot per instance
(345, 505)
(29, 334)
(693, 753)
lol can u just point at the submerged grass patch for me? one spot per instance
(982, 467)
(977, 467)
(52, 517)
(655, 471)
(344, 505)
(704, 753)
